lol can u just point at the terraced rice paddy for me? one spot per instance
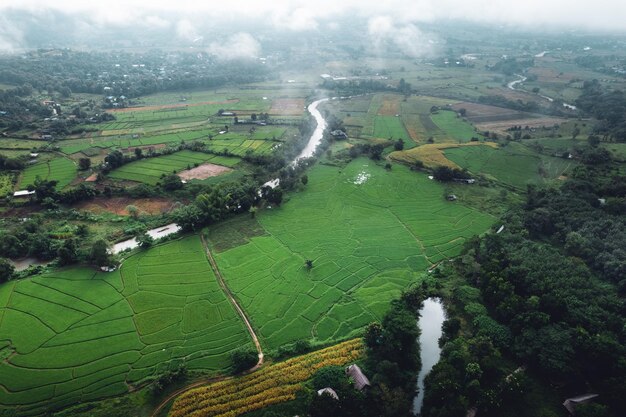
(59, 169)
(150, 170)
(77, 335)
(514, 165)
(369, 232)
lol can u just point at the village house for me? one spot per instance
(360, 380)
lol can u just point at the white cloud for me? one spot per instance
(186, 30)
(239, 45)
(383, 30)
(156, 22)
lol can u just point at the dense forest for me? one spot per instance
(608, 106)
(542, 301)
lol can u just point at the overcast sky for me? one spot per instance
(182, 17)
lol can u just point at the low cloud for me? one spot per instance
(300, 19)
(11, 37)
(186, 30)
(239, 45)
(411, 41)
(156, 22)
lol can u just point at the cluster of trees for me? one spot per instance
(216, 203)
(608, 106)
(447, 174)
(47, 195)
(375, 152)
(35, 237)
(544, 294)
(12, 164)
(18, 107)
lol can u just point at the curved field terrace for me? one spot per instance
(77, 335)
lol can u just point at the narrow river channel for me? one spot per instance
(432, 316)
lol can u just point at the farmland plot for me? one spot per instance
(62, 170)
(369, 232)
(150, 170)
(514, 165)
(77, 335)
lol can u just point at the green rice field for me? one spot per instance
(61, 169)
(514, 165)
(76, 335)
(454, 127)
(370, 233)
(390, 127)
(150, 170)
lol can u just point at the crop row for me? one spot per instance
(240, 395)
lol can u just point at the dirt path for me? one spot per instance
(235, 304)
(255, 339)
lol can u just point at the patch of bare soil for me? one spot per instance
(288, 106)
(118, 205)
(203, 171)
(390, 106)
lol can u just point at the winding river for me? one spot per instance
(521, 79)
(314, 140)
(432, 316)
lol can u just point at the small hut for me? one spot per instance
(328, 391)
(360, 380)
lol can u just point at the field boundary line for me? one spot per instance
(253, 335)
(234, 302)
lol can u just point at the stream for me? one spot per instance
(432, 316)
(521, 79)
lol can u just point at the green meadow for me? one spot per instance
(76, 335)
(370, 234)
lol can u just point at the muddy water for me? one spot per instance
(157, 233)
(432, 316)
(314, 140)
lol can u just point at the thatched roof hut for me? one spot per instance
(360, 380)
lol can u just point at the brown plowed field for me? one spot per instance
(288, 106)
(117, 205)
(390, 106)
(203, 171)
